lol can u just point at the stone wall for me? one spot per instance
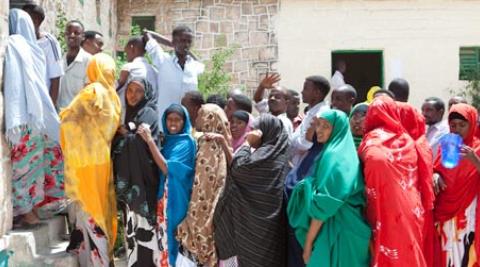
(5, 170)
(98, 15)
(246, 24)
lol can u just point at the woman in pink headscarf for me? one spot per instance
(240, 126)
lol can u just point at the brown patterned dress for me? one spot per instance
(195, 233)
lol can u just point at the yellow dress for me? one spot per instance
(87, 128)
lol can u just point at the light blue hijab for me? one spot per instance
(179, 150)
(27, 101)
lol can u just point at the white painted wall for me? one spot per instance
(420, 39)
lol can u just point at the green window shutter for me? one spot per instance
(469, 62)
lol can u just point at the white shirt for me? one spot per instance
(262, 107)
(300, 145)
(74, 79)
(337, 80)
(173, 81)
(53, 56)
(139, 67)
(435, 132)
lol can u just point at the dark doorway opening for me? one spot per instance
(364, 69)
(20, 3)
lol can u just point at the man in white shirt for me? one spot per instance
(51, 49)
(433, 109)
(178, 72)
(337, 78)
(276, 103)
(315, 89)
(75, 63)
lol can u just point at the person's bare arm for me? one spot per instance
(54, 87)
(266, 83)
(163, 40)
(315, 226)
(122, 79)
(158, 37)
(146, 135)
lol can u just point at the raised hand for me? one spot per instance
(269, 80)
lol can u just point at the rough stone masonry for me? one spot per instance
(247, 25)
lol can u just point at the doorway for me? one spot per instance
(364, 69)
(19, 3)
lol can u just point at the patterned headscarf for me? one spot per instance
(196, 231)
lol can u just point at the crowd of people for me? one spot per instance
(206, 182)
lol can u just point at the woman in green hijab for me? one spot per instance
(326, 209)
(357, 121)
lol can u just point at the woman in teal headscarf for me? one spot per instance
(176, 162)
(326, 209)
(357, 122)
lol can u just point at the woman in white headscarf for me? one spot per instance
(31, 124)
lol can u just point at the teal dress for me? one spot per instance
(179, 151)
(334, 194)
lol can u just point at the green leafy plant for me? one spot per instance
(471, 90)
(215, 80)
(60, 23)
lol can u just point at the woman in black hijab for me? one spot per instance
(136, 174)
(249, 222)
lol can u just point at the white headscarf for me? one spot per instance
(27, 101)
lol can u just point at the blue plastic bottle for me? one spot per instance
(450, 147)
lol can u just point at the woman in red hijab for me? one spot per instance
(414, 123)
(456, 203)
(394, 203)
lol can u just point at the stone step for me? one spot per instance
(54, 257)
(57, 257)
(40, 246)
(26, 243)
(121, 262)
(57, 228)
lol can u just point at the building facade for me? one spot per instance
(419, 40)
(96, 15)
(427, 42)
(247, 26)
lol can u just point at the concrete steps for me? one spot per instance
(41, 246)
(120, 262)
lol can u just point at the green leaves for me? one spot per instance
(215, 80)
(60, 23)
